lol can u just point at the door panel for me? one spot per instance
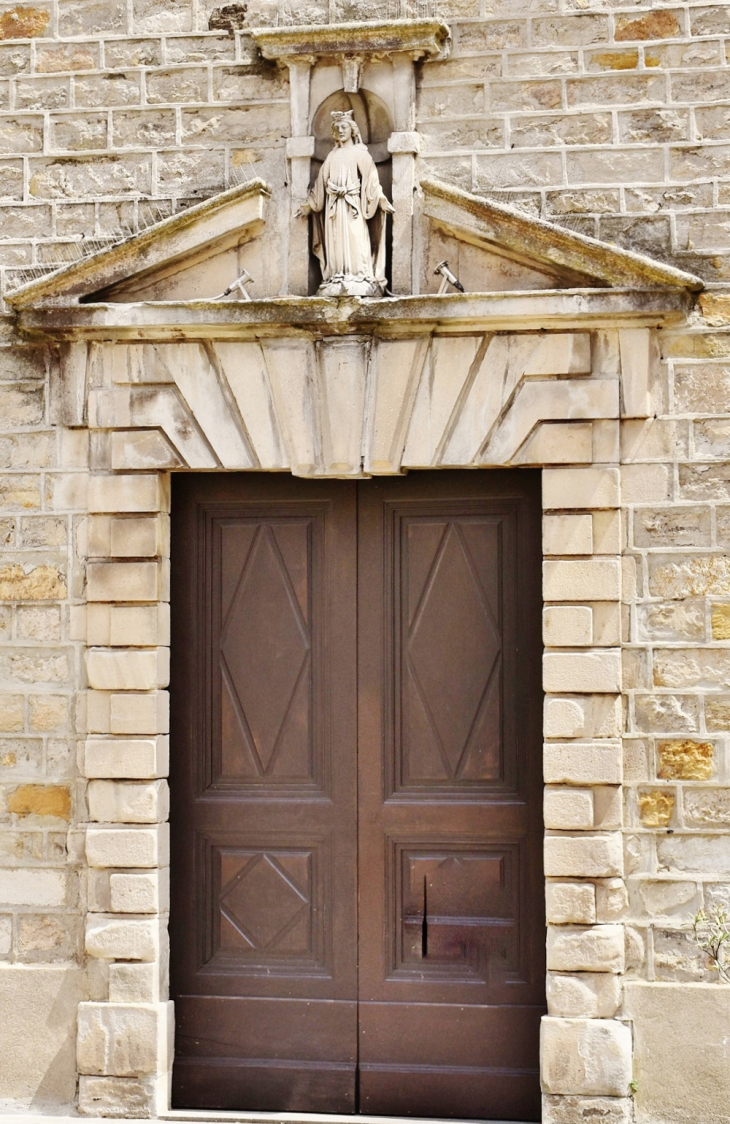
(450, 916)
(356, 716)
(264, 793)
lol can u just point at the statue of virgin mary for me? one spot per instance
(348, 206)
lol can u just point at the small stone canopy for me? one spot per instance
(198, 253)
(372, 39)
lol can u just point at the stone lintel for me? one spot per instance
(236, 214)
(417, 38)
(467, 313)
(505, 230)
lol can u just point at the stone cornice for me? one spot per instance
(416, 38)
(290, 316)
(581, 259)
(234, 214)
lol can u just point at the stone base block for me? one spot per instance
(586, 1110)
(37, 1035)
(589, 1057)
(128, 1097)
(125, 1039)
(681, 1067)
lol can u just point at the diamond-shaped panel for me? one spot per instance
(262, 902)
(452, 649)
(265, 647)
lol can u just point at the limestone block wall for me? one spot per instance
(611, 118)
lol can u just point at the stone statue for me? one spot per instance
(348, 209)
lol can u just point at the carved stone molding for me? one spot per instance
(355, 405)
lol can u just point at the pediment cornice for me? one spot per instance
(567, 310)
(235, 215)
(581, 260)
(377, 39)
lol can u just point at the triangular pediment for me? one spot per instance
(493, 247)
(195, 253)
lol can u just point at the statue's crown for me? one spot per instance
(342, 115)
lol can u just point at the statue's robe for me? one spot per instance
(349, 224)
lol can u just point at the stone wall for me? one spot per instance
(611, 119)
(607, 117)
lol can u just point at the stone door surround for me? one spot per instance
(349, 390)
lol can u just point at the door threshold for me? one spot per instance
(211, 1116)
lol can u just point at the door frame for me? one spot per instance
(123, 618)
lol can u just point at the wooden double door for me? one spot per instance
(357, 918)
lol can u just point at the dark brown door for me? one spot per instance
(451, 933)
(357, 919)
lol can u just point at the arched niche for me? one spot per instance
(376, 125)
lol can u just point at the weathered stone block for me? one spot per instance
(585, 1056)
(691, 667)
(115, 669)
(687, 576)
(121, 939)
(587, 1110)
(126, 1097)
(656, 807)
(583, 763)
(717, 712)
(667, 898)
(134, 983)
(595, 579)
(38, 1049)
(34, 887)
(132, 846)
(32, 583)
(685, 760)
(567, 534)
(681, 1070)
(706, 807)
(695, 854)
(136, 893)
(567, 626)
(570, 903)
(39, 800)
(672, 620)
(583, 856)
(666, 713)
(597, 671)
(612, 900)
(133, 759)
(582, 716)
(115, 802)
(122, 1040)
(587, 995)
(599, 948)
(131, 493)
